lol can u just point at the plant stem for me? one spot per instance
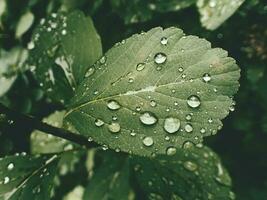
(46, 128)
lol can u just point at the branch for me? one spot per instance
(46, 128)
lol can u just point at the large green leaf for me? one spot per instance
(155, 90)
(143, 10)
(10, 62)
(63, 47)
(26, 177)
(215, 12)
(111, 180)
(186, 174)
(43, 143)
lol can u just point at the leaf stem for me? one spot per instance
(46, 128)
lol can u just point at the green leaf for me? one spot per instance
(26, 177)
(215, 12)
(193, 173)
(2, 10)
(134, 103)
(143, 10)
(10, 63)
(24, 24)
(111, 180)
(43, 143)
(63, 47)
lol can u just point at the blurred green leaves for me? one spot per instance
(27, 177)
(215, 12)
(63, 47)
(10, 63)
(24, 23)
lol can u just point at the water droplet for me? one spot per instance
(113, 105)
(140, 66)
(133, 133)
(64, 32)
(180, 69)
(104, 147)
(148, 118)
(202, 130)
(190, 166)
(114, 127)
(103, 59)
(206, 77)
(6, 180)
(114, 118)
(188, 145)
(188, 128)
(164, 41)
(148, 141)
(160, 58)
(31, 45)
(171, 151)
(193, 101)
(153, 103)
(89, 72)
(210, 120)
(171, 125)
(188, 117)
(167, 138)
(212, 3)
(138, 109)
(54, 15)
(131, 80)
(232, 108)
(10, 166)
(99, 122)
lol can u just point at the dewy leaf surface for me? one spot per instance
(110, 180)
(63, 47)
(215, 12)
(25, 177)
(155, 90)
(193, 173)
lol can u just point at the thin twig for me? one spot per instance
(46, 128)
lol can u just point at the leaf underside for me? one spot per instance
(63, 47)
(27, 177)
(42, 143)
(138, 111)
(214, 13)
(195, 173)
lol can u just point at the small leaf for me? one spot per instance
(193, 173)
(63, 47)
(43, 143)
(24, 24)
(26, 177)
(215, 12)
(10, 62)
(110, 180)
(155, 90)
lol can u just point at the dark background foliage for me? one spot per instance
(242, 141)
